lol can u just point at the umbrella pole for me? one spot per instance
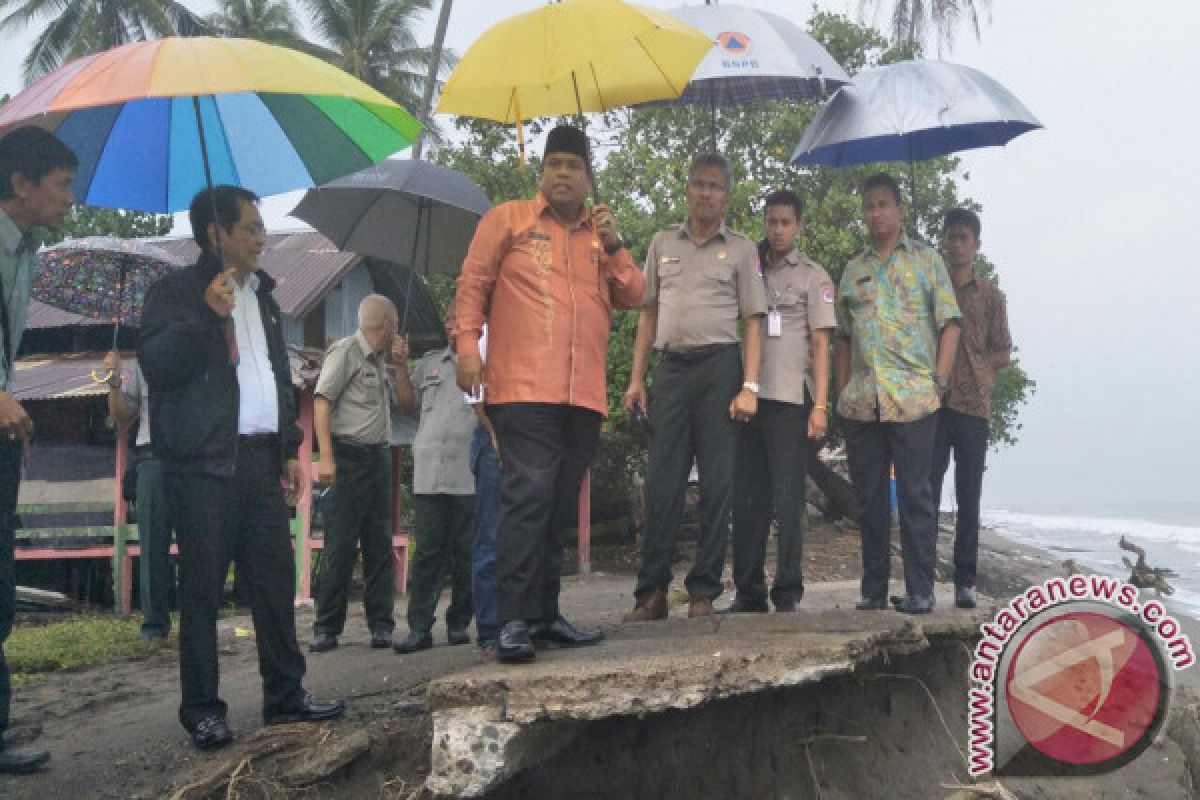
(208, 182)
(712, 120)
(412, 265)
(583, 127)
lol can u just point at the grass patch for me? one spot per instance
(85, 641)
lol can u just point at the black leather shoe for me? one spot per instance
(514, 645)
(322, 643)
(21, 760)
(785, 606)
(744, 605)
(456, 636)
(414, 642)
(211, 733)
(871, 604)
(381, 640)
(913, 604)
(561, 633)
(964, 597)
(310, 709)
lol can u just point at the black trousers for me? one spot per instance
(689, 420)
(358, 515)
(445, 527)
(967, 436)
(546, 448)
(769, 475)
(872, 447)
(10, 480)
(242, 518)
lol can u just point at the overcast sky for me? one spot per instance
(1087, 222)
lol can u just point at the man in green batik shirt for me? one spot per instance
(897, 334)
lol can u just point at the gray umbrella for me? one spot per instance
(410, 212)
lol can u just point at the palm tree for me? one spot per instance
(373, 40)
(270, 21)
(912, 21)
(78, 27)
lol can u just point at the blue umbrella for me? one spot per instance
(911, 111)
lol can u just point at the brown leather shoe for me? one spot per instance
(650, 606)
(700, 607)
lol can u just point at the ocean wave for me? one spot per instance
(1027, 524)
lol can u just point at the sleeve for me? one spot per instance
(821, 313)
(335, 373)
(999, 340)
(945, 306)
(131, 390)
(417, 377)
(650, 294)
(841, 309)
(752, 295)
(175, 340)
(626, 284)
(479, 270)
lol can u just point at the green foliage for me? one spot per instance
(84, 641)
(271, 21)
(93, 221)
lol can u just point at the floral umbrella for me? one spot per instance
(102, 277)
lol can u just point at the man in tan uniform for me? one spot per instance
(771, 465)
(352, 422)
(701, 277)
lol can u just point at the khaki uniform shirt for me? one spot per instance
(893, 313)
(801, 291)
(442, 447)
(355, 382)
(702, 288)
(984, 332)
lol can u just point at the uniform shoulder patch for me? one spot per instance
(826, 292)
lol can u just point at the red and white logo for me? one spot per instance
(1084, 688)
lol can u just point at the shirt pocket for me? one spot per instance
(429, 389)
(670, 276)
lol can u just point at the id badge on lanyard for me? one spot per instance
(774, 317)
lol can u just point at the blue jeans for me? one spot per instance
(486, 466)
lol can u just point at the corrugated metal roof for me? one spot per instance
(70, 374)
(43, 316)
(304, 264)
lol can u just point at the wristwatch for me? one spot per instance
(751, 385)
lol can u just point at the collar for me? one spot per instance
(904, 242)
(685, 232)
(794, 258)
(362, 344)
(208, 265)
(542, 207)
(973, 283)
(11, 237)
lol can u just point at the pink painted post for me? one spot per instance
(304, 501)
(585, 524)
(122, 583)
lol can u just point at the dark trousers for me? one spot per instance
(154, 539)
(242, 518)
(486, 466)
(769, 475)
(967, 436)
(10, 480)
(872, 447)
(546, 448)
(445, 525)
(358, 515)
(689, 420)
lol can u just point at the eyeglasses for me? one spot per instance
(708, 186)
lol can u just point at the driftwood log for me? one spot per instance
(1144, 576)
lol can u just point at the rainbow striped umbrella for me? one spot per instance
(155, 122)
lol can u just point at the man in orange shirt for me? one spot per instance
(545, 275)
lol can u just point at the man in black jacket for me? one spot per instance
(223, 422)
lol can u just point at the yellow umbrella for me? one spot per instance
(573, 56)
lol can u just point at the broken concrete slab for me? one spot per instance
(493, 721)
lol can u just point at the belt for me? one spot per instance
(694, 354)
(358, 447)
(258, 440)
